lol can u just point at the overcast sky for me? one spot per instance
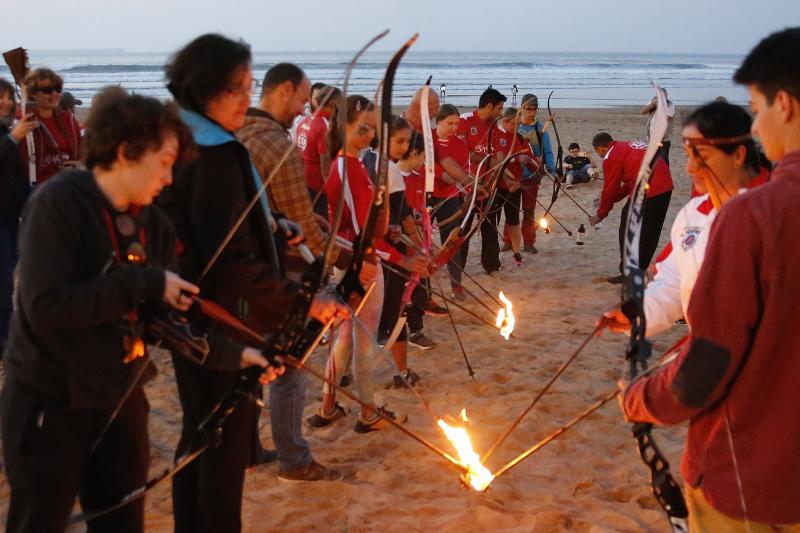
(702, 26)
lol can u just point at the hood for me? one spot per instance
(205, 131)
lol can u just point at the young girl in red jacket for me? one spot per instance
(354, 341)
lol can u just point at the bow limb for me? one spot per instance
(638, 352)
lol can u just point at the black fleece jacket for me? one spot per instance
(66, 338)
(206, 198)
(14, 188)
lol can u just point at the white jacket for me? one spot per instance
(666, 297)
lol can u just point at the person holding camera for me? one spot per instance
(57, 135)
(579, 166)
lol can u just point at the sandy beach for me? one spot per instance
(591, 479)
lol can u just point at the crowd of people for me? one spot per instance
(150, 208)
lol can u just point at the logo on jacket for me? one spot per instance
(689, 237)
(503, 143)
(637, 145)
(473, 130)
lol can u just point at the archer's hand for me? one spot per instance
(594, 220)
(325, 308)
(616, 321)
(291, 230)
(415, 264)
(24, 127)
(174, 289)
(253, 357)
(482, 193)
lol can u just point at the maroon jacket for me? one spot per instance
(743, 358)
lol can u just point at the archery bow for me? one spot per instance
(665, 488)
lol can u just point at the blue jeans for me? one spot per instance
(287, 397)
(8, 260)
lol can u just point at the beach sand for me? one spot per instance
(590, 479)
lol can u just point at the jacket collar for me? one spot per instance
(205, 131)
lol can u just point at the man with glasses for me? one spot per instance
(534, 132)
(57, 139)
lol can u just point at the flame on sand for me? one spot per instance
(505, 317)
(477, 475)
(544, 224)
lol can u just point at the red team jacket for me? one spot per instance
(311, 141)
(360, 186)
(457, 150)
(740, 366)
(620, 169)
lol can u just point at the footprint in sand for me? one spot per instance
(500, 378)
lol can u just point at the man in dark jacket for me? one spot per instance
(94, 256)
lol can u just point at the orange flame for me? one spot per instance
(544, 224)
(505, 317)
(477, 475)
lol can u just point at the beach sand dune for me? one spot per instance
(591, 479)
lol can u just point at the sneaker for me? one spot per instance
(379, 422)
(616, 280)
(568, 186)
(408, 377)
(493, 272)
(321, 419)
(518, 259)
(312, 471)
(531, 249)
(418, 339)
(347, 379)
(432, 308)
(459, 294)
(262, 456)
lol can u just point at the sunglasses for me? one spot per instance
(47, 90)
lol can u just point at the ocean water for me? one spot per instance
(576, 79)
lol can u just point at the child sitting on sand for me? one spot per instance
(579, 166)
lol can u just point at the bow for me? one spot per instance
(551, 119)
(665, 488)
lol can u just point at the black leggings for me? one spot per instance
(394, 287)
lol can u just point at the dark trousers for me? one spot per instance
(8, 260)
(394, 287)
(321, 207)
(207, 494)
(46, 448)
(654, 212)
(664, 151)
(459, 261)
(490, 247)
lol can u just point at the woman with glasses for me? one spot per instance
(723, 161)
(57, 138)
(211, 79)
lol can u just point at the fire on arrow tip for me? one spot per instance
(505, 317)
(476, 475)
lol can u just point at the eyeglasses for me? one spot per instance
(244, 90)
(47, 90)
(531, 108)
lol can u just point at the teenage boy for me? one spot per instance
(735, 380)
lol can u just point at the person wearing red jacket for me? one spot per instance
(736, 378)
(310, 138)
(621, 162)
(57, 139)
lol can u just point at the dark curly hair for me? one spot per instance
(137, 123)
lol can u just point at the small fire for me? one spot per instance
(544, 224)
(477, 475)
(505, 317)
